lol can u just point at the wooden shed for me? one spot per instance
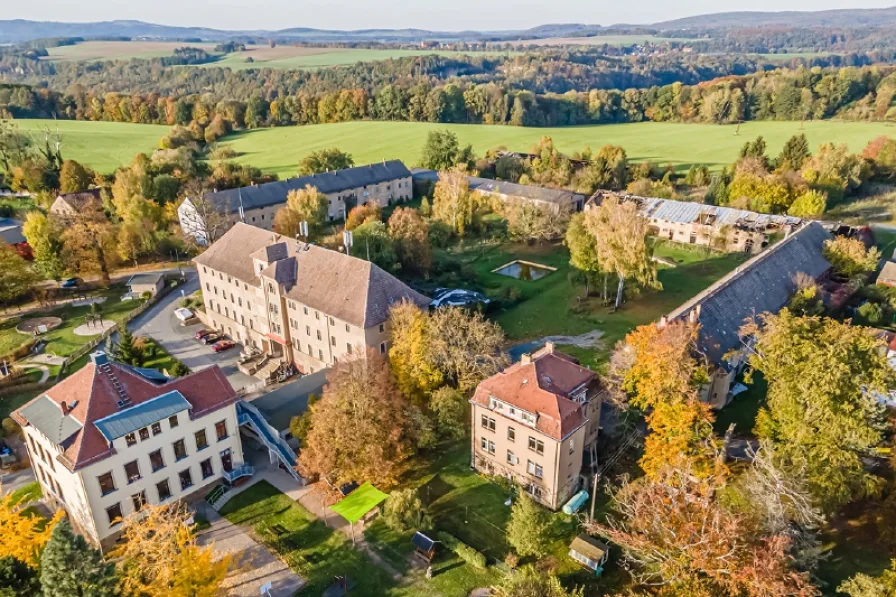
(589, 552)
(424, 546)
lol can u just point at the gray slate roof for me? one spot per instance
(274, 193)
(47, 417)
(143, 415)
(765, 283)
(686, 212)
(888, 273)
(11, 231)
(487, 185)
(146, 278)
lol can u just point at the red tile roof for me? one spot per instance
(541, 386)
(94, 397)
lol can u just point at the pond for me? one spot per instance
(524, 270)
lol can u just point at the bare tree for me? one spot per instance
(201, 219)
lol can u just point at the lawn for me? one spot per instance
(743, 408)
(315, 551)
(118, 50)
(279, 150)
(27, 493)
(104, 146)
(554, 305)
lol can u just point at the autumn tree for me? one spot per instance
(16, 276)
(404, 511)
(530, 221)
(583, 250)
(465, 347)
(677, 532)
(529, 528)
(821, 415)
(70, 567)
(450, 409)
(850, 257)
(410, 236)
(443, 152)
(453, 203)
(361, 214)
(360, 429)
(159, 556)
(864, 585)
(325, 160)
(44, 235)
(23, 535)
(662, 376)
(89, 242)
(809, 204)
(302, 205)
(73, 177)
(531, 582)
(205, 222)
(620, 233)
(372, 242)
(416, 373)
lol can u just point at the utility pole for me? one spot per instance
(593, 496)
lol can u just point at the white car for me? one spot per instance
(183, 314)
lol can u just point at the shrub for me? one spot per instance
(512, 560)
(10, 427)
(463, 551)
(871, 312)
(404, 511)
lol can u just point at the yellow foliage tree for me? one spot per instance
(23, 535)
(159, 556)
(412, 364)
(663, 376)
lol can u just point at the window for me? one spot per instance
(317, 315)
(534, 491)
(511, 457)
(221, 430)
(132, 471)
(320, 354)
(201, 440)
(347, 328)
(156, 428)
(348, 348)
(310, 351)
(107, 483)
(186, 479)
(382, 327)
(572, 445)
(382, 348)
(144, 434)
(332, 321)
(180, 450)
(318, 334)
(535, 470)
(164, 490)
(130, 439)
(307, 330)
(206, 466)
(138, 500)
(333, 340)
(156, 461)
(511, 434)
(114, 514)
(305, 309)
(488, 423)
(487, 446)
(172, 420)
(536, 445)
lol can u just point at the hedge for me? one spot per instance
(463, 551)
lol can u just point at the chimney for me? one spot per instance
(662, 322)
(64, 407)
(526, 359)
(549, 347)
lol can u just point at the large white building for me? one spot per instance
(296, 302)
(111, 438)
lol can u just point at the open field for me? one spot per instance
(263, 56)
(279, 150)
(104, 146)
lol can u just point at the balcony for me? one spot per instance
(239, 472)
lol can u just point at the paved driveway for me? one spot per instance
(160, 323)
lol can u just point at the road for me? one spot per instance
(160, 323)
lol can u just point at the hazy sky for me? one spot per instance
(362, 14)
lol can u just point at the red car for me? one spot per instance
(223, 345)
(202, 334)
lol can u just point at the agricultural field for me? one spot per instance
(104, 146)
(279, 57)
(279, 150)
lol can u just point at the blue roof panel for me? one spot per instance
(142, 415)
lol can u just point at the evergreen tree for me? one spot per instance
(71, 568)
(127, 352)
(529, 528)
(17, 579)
(794, 153)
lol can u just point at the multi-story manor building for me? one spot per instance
(297, 302)
(537, 422)
(111, 438)
(383, 183)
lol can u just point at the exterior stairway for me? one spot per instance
(265, 372)
(250, 416)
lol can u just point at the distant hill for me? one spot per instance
(847, 17)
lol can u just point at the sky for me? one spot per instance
(441, 15)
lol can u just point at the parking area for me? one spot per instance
(161, 323)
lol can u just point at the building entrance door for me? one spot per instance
(227, 460)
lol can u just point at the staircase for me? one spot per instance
(241, 471)
(249, 415)
(265, 372)
(215, 496)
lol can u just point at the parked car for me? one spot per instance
(202, 334)
(211, 338)
(183, 314)
(7, 456)
(223, 345)
(71, 283)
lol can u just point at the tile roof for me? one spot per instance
(345, 287)
(542, 387)
(89, 396)
(503, 187)
(765, 283)
(79, 199)
(274, 193)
